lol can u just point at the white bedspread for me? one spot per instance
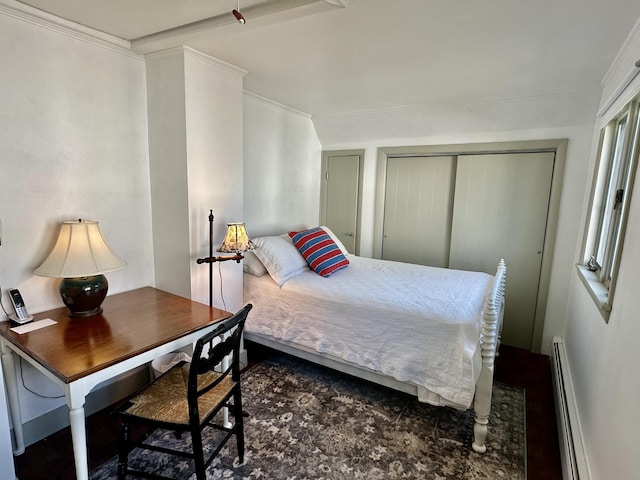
(416, 324)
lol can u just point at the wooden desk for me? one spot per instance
(80, 353)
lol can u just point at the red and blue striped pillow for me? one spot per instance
(319, 250)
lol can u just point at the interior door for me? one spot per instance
(501, 208)
(340, 196)
(418, 209)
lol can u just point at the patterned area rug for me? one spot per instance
(310, 423)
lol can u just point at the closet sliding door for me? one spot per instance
(418, 206)
(501, 210)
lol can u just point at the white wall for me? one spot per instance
(195, 138)
(215, 170)
(169, 170)
(73, 144)
(603, 358)
(282, 163)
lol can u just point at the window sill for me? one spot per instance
(599, 293)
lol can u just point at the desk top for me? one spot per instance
(131, 323)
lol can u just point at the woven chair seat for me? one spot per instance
(203, 388)
(165, 400)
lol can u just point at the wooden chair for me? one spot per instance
(187, 398)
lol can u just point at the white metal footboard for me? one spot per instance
(492, 317)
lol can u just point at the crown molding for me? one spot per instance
(277, 104)
(33, 16)
(192, 52)
(621, 69)
(214, 61)
(618, 63)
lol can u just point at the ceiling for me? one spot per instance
(337, 57)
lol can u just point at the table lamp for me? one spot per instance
(80, 258)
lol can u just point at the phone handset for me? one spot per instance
(21, 315)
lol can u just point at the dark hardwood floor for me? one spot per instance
(533, 373)
(52, 457)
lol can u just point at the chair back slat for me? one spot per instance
(227, 335)
(218, 351)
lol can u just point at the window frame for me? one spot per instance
(617, 159)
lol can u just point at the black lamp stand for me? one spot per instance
(211, 259)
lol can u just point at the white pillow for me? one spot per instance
(280, 257)
(251, 264)
(335, 238)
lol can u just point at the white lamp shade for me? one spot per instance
(80, 251)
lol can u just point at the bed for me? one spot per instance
(427, 331)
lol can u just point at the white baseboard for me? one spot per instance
(572, 453)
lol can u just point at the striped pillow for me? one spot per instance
(319, 250)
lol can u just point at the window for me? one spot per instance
(610, 198)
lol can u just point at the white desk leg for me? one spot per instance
(75, 392)
(8, 365)
(79, 438)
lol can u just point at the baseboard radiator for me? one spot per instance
(572, 455)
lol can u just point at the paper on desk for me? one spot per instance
(33, 326)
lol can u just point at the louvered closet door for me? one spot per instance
(417, 210)
(501, 207)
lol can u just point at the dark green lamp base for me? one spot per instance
(84, 295)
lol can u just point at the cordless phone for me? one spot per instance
(21, 315)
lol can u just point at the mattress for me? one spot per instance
(416, 324)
